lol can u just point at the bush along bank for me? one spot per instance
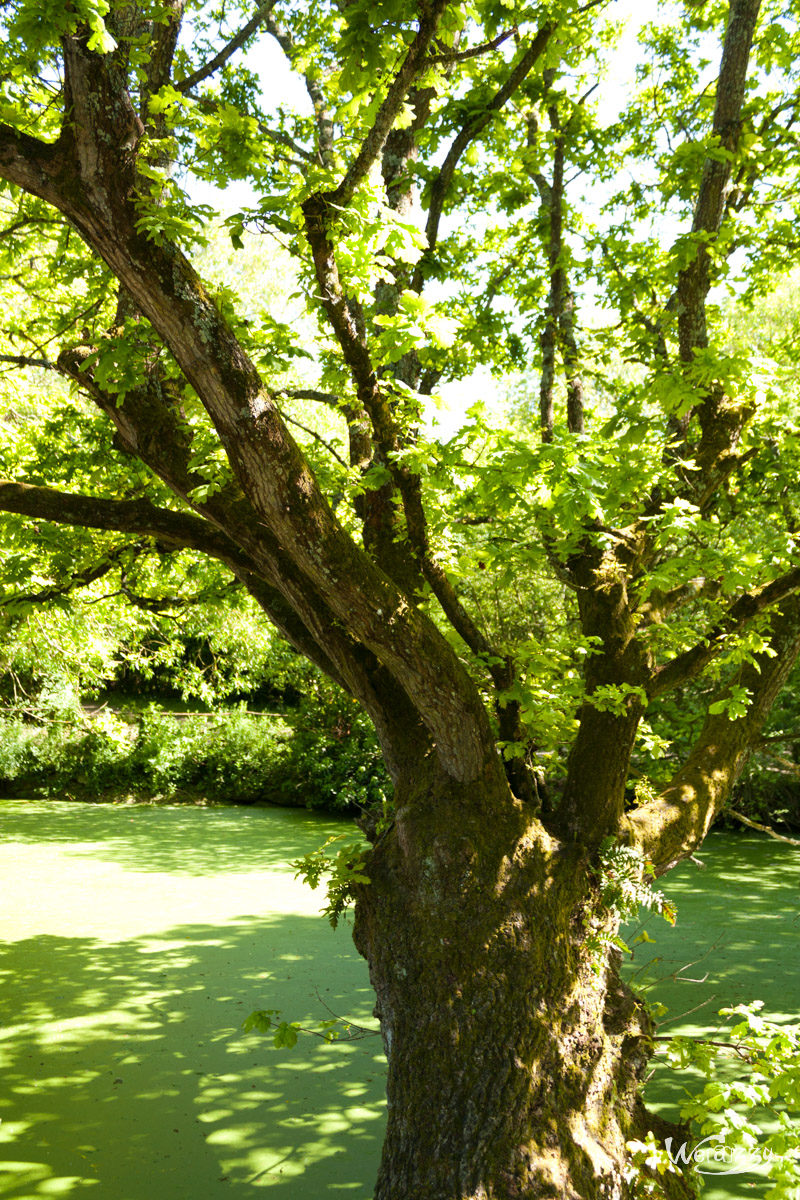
(322, 754)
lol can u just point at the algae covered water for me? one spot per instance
(136, 940)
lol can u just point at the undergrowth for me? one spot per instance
(320, 755)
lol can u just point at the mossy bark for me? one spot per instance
(515, 1055)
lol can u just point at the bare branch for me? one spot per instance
(283, 139)
(455, 56)
(236, 42)
(316, 436)
(770, 832)
(278, 136)
(329, 398)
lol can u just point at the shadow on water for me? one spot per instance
(137, 940)
(737, 939)
(737, 936)
(124, 1073)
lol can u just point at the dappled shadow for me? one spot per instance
(737, 939)
(136, 941)
(172, 838)
(738, 921)
(125, 1074)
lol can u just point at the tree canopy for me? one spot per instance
(570, 621)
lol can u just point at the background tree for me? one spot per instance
(434, 197)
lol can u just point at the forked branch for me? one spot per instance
(472, 128)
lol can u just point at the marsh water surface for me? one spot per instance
(136, 940)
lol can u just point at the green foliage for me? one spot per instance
(58, 750)
(333, 758)
(52, 747)
(344, 874)
(755, 1116)
(285, 1034)
(666, 508)
(648, 1163)
(624, 886)
(738, 1123)
(264, 1020)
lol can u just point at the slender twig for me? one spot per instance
(454, 56)
(319, 101)
(316, 436)
(80, 579)
(741, 1051)
(23, 221)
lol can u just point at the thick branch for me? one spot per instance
(163, 39)
(694, 281)
(29, 163)
(473, 128)
(412, 66)
(376, 509)
(552, 199)
(23, 360)
(174, 529)
(218, 61)
(171, 529)
(559, 325)
(292, 534)
(673, 826)
(692, 662)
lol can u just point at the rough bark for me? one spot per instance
(671, 827)
(514, 1058)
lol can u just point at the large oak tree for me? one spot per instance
(458, 185)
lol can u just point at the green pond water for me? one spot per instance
(133, 942)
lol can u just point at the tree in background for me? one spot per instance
(455, 185)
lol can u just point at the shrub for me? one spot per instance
(324, 755)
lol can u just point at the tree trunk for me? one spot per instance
(515, 1055)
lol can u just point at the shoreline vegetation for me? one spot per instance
(127, 749)
(309, 757)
